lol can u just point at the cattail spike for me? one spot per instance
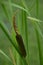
(19, 39)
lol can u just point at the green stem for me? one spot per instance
(25, 31)
(9, 37)
(39, 47)
(37, 33)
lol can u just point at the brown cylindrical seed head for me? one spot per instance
(21, 45)
(19, 39)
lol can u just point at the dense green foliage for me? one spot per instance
(29, 20)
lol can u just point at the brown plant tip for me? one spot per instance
(19, 39)
(21, 45)
(14, 24)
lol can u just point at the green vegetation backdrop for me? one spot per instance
(29, 19)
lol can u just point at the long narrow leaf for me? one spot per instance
(5, 10)
(17, 6)
(2, 25)
(36, 22)
(37, 33)
(1, 52)
(34, 19)
(9, 37)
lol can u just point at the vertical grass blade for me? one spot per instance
(25, 31)
(5, 10)
(37, 34)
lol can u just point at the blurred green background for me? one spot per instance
(5, 44)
